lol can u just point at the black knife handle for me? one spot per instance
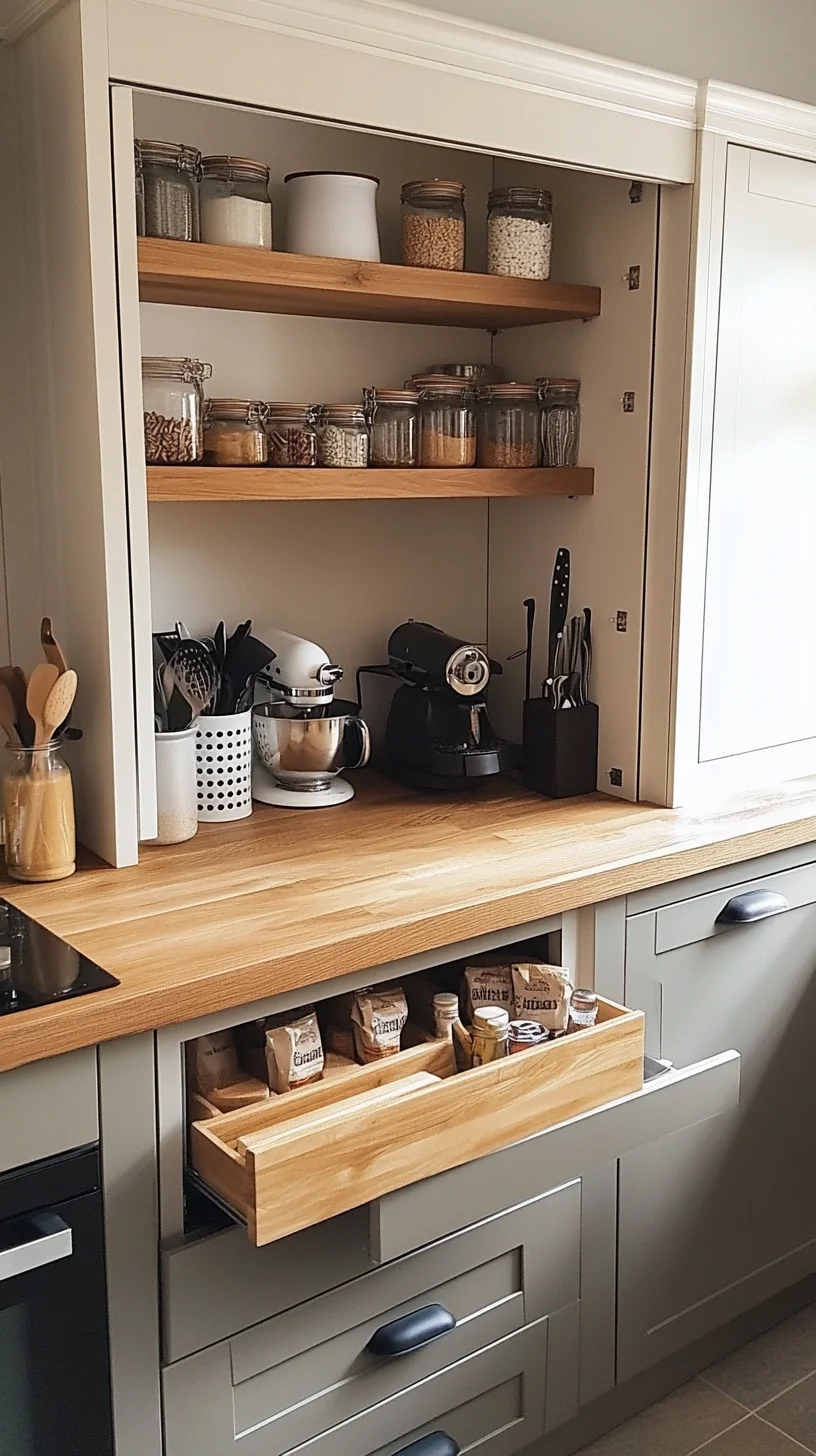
(752, 906)
(412, 1331)
(437, 1444)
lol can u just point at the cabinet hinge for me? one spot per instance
(628, 402)
(636, 192)
(621, 621)
(616, 778)
(632, 278)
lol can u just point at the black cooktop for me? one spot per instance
(36, 967)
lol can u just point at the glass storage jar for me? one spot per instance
(138, 183)
(234, 203)
(433, 225)
(394, 417)
(173, 410)
(291, 434)
(560, 421)
(519, 232)
(342, 436)
(171, 171)
(477, 374)
(38, 804)
(447, 423)
(235, 432)
(508, 426)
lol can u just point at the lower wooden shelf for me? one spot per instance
(229, 483)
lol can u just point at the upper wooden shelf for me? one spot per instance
(225, 483)
(249, 279)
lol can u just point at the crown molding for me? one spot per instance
(756, 119)
(19, 16)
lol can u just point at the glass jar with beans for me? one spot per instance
(447, 423)
(173, 401)
(235, 432)
(433, 225)
(291, 433)
(342, 436)
(560, 421)
(508, 427)
(394, 417)
(519, 232)
(170, 172)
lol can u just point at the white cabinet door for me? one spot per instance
(758, 694)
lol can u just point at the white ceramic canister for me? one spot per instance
(176, 793)
(224, 767)
(332, 215)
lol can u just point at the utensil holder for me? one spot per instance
(560, 749)
(176, 798)
(224, 767)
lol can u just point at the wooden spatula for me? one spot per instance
(40, 684)
(50, 646)
(59, 702)
(8, 716)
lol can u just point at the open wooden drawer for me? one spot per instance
(361, 1133)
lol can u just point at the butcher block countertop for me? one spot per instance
(287, 899)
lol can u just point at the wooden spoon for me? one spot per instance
(59, 702)
(8, 716)
(40, 684)
(50, 646)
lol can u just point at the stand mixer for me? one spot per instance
(303, 737)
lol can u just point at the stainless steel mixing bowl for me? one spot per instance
(306, 748)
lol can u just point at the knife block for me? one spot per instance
(560, 749)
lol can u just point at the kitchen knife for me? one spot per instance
(559, 601)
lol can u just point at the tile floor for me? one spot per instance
(760, 1401)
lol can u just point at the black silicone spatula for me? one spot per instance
(559, 603)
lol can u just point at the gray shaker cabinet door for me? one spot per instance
(715, 1219)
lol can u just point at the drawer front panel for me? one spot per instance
(694, 920)
(47, 1108)
(307, 1371)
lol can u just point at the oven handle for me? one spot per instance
(52, 1241)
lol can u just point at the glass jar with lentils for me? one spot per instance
(342, 436)
(291, 432)
(447, 423)
(170, 176)
(433, 225)
(508, 426)
(560, 421)
(173, 396)
(394, 417)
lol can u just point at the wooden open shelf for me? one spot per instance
(251, 483)
(259, 282)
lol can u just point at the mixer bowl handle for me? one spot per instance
(360, 727)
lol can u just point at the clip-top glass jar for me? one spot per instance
(433, 225)
(342, 436)
(447, 423)
(173, 395)
(291, 433)
(235, 432)
(38, 804)
(394, 417)
(138, 182)
(171, 171)
(560, 421)
(235, 207)
(508, 426)
(519, 232)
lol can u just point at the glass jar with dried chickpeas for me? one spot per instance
(433, 225)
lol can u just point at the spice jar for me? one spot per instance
(235, 207)
(342, 436)
(560, 421)
(525, 1034)
(433, 225)
(491, 1025)
(394, 417)
(235, 432)
(583, 1009)
(508, 426)
(447, 423)
(291, 434)
(171, 172)
(38, 804)
(173, 402)
(519, 232)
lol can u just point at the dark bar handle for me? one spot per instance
(411, 1332)
(437, 1444)
(753, 905)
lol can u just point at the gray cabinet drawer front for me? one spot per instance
(428, 1210)
(47, 1108)
(304, 1372)
(690, 921)
(723, 879)
(213, 1287)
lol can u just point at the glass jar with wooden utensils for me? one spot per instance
(38, 797)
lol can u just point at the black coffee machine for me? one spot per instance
(438, 734)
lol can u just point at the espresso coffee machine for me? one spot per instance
(438, 734)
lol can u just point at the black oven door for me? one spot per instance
(54, 1369)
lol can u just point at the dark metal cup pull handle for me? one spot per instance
(437, 1444)
(753, 905)
(411, 1332)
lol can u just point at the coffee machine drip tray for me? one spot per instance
(36, 967)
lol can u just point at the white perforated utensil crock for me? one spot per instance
(224, 767)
